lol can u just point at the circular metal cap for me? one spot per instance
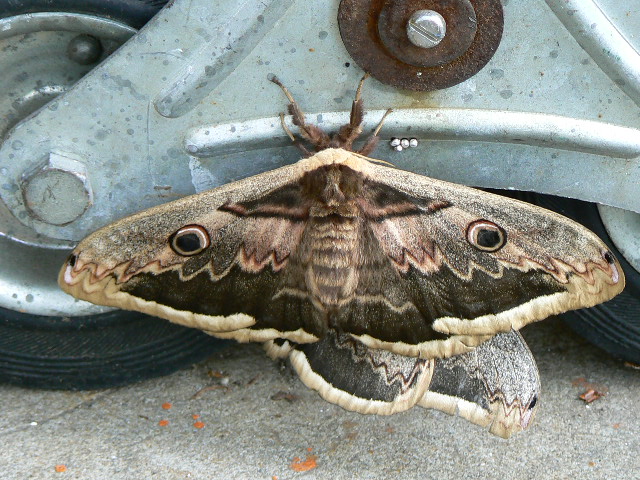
(84, 49)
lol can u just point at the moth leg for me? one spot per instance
(312, 133)
(357, 108)
(350, 132)
(295, 141)
(371, 143)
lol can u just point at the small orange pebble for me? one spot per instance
(166, 405)
(312, 49)
(195, 416)
(274, 477)
(616, 426)
(309, 463)
(60, 468)
(163, 423)
(309, 449)
(198, 425)
(592, 464)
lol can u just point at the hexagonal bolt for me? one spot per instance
(84, 49)
(58, 190)
(426, 28)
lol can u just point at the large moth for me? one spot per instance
(348, 265)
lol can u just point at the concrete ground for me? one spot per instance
(257, 417)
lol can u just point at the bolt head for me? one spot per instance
(84, 49)
(426, 28)
(58, 190)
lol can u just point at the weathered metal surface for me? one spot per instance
(374, 34)
(461, 25)
(602, 39)
(42, 56)
(533, 129)
(236, 33)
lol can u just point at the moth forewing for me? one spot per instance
(382, 254)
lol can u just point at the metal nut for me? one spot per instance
(58, 190)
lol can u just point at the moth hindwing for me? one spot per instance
(496, 385)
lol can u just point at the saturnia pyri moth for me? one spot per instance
(386, 289)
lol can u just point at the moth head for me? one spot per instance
(189, 240)
(486, 236)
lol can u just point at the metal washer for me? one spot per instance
(358, 21)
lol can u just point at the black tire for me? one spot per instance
(98, 351)
(613, 326)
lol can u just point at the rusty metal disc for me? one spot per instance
(373, 32)
(461, 25)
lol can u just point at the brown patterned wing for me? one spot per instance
(400, 261)
(496, 385)
(466, 264)
(152, 261)
(361, 379)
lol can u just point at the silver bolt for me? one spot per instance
(58, 190)
(426, 28)
(84, 49)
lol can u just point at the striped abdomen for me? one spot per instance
(332, 269)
